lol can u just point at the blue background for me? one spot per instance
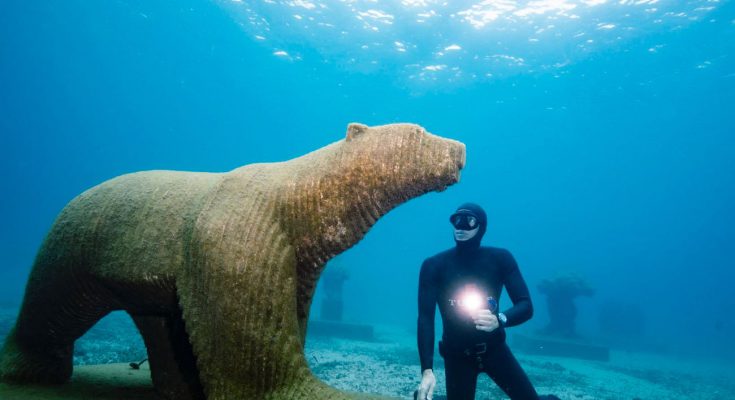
(618, 166)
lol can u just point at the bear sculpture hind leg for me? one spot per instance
(56, 311)
(172, 362)
(23, 362)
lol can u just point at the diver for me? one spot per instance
(466, 283)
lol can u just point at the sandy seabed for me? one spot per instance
(389, 365)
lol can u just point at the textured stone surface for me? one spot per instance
(218, 269)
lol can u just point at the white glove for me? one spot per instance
(426, 388)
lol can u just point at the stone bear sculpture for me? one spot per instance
(218, 270)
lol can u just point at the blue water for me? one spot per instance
(600, 135)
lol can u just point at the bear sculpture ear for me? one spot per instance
(354, 130)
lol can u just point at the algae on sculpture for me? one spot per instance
(218, 269)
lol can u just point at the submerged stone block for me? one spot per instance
(341, 329)
(560, 348)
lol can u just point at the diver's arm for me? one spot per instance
(522, 309)
(427, 310)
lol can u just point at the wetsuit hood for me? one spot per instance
(476, 211)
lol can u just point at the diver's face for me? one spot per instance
(466, 227)
(462, 235)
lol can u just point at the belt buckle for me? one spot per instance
(478, 346)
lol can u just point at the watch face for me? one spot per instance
(493, 305)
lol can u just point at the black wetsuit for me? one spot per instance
(468, 351)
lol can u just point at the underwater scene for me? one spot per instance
(367, 199)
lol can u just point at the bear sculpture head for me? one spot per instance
(352, 183)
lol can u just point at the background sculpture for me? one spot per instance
(333, 281)
(561, 292)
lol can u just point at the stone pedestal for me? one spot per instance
(559, 347)
(340, 329)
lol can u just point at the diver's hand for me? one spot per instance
(485, 321)
(426, 388)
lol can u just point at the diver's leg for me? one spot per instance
(503, 368)
(171, 360)
(460, 377)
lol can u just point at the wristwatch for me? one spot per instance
(502, 318)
